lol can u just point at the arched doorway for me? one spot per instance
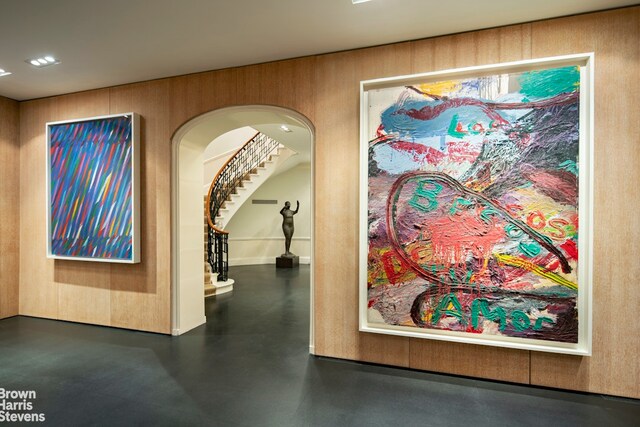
(188, 145)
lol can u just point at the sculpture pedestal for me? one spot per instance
(287, 262)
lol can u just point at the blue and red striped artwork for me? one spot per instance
(91, 185)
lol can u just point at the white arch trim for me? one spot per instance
(187, 146)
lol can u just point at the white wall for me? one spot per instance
(221, 149)
(255, 231)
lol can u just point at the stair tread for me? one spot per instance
(238, 192)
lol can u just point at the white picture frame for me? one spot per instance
(371, 321)
(98, 198)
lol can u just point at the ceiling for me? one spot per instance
(102, 43)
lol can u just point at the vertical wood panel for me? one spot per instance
(9, 207)
(196, 94)
(615, 38)
(287, 84)
(503, 364)
(465, 50)
(83, 291)
(83, 288)
(38, 295)
(141, 293)
(46, 284)
(337, 164)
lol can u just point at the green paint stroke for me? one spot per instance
(520, 320)
(467, 278)
(551, 82)
(481, 305)
(449, 306)
(539, 322)
(452, 128)
(459, 202)
(486, 214)
(430, 194)
(529, 249)
(570, 166)
(513, 231)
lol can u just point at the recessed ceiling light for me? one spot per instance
(4, 73)
(285, 128)
(359, 1)
(43, 62)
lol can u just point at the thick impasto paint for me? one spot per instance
(91, 203)
(473, 205)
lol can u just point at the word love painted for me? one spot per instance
(472, 221)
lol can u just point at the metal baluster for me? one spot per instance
(247, 159)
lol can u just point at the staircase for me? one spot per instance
(250, 182)
(211, 285)
(237, 180)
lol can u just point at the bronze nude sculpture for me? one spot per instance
(287, 227)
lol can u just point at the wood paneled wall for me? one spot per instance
(9, 207)
(614, 367)
(325, 89)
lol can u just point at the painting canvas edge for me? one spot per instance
(586, 62)
(135, 188)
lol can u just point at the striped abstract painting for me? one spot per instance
(91, 177)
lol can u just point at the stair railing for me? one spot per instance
(250, 156)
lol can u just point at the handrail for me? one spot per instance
(248, 157)
(215, 179)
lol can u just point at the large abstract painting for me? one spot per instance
(92, 189)
(475, 210)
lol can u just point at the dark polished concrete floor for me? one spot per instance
(249, 366)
